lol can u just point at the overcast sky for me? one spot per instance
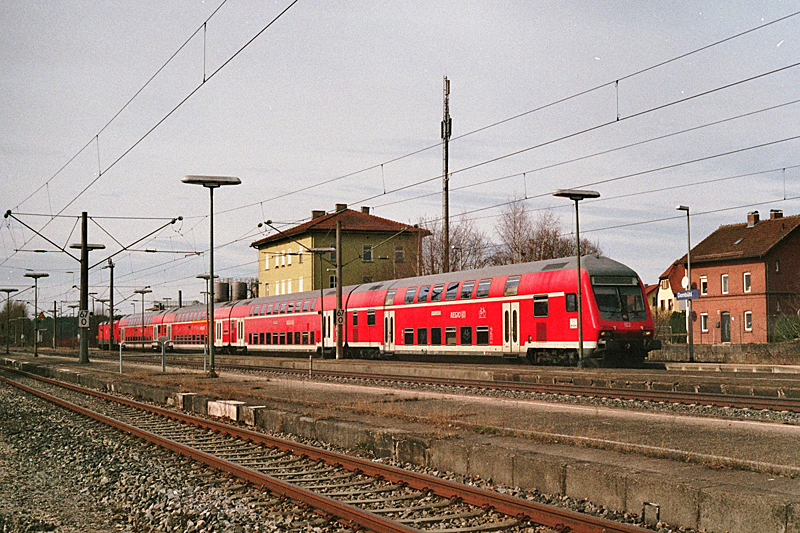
(333, 88)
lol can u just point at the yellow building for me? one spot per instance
(373, 249)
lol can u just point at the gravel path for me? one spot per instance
(62, 472)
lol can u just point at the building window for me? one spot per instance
(332, 281)
(746, 282)
(300, 285)
(266, 262)
(289, 257)
(283, 286)
(283, 258)
(399, 254)
(724, 283)
(665, 284)
(777, 266)
(703, 322)
(748, 321)
(703, 285)
(277, 259)
(300, 257)
(670, 304)
(366, 253)
(289, 286)
(333, 253)
(366, 279)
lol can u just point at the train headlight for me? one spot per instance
(606, 334)
(648, 333)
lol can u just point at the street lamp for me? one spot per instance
(209, 328)
(689, 324)
(8, 292)
(211, 183)
(36, 276)
(577, 195)
(144, 291)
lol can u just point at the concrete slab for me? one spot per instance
(250, 413)
(225, 409)
(736, 509)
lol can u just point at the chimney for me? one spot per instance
(365, 209)
(340, 207)
(316, 213)
(752, 219)
(775, 213)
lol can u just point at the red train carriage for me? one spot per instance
(510, 311)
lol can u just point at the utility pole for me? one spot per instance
(447, 125)
(55, 323)
(85, 248)
(110, 266)
(339, 312)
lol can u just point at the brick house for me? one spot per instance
(747, 275)
(373, 249)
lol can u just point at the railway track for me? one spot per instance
(357, 492)
(754, 402)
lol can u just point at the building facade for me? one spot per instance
(747, 278)
(373, 249)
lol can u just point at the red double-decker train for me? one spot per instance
(527, 310)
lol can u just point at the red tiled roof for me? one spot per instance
(352, 221)
(737, 241)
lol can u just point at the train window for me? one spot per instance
(422, 295)
(282, 339)
(390, 297)
(312, 339)
(371, 317)
(572, 302)
(283, 307)
(408, 336)
(422, 336)
(275, 338)
(297, 337)
(290, 307)
(289, 338)
(482, 335)
(355, 318)
(436, 292)
(313, 304)
(260, 338)
(483, 288)
(452, 291)
(269, 309)
(450, 336)
(466, 290)
(540, 305)
(306, 304)
(267, 338)
(250, 338)
(410, 295)
(512, 286)
(298, 306)
(466, 335)
(436, 336)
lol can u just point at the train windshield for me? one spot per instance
(620, 302)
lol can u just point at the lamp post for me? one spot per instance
(689, 322)
(8, 292)
(577, 195)
(85, 247)
(36, 276)
(211, 183)
(209, 328)
(144, 291)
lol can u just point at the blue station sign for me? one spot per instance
(688, 295)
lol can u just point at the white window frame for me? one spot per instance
(300, 284)
(283, 286)
(289, 257)
(266, 261)
(748, 316)
(724, 284)
(747, 282)
(704, 322)
(703, 285)
(283, 258)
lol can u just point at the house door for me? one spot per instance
(511, 328)
(388, 331)
(725, 327)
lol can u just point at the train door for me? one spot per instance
(327, 319)
(169, 332)
(388, 331)
(218, 333)
(240, 332)
(511, 328)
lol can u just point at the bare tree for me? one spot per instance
(469, 246)
(524, 238)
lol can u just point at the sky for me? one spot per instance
(105, 106)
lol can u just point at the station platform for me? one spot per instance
(711, 474)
